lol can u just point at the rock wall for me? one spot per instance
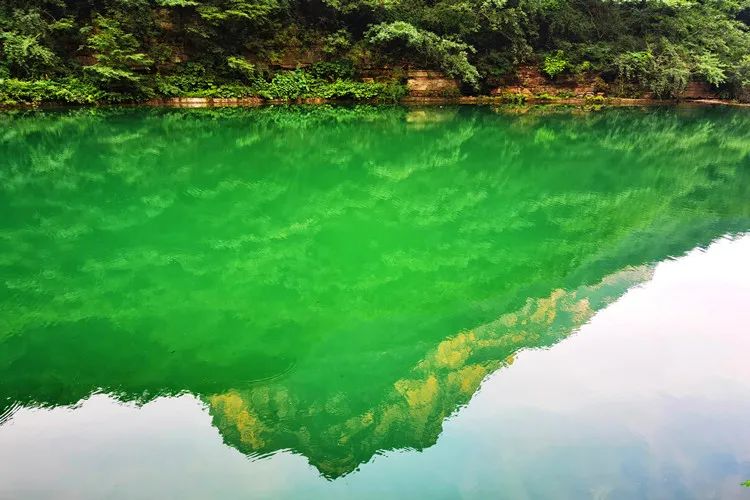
(297, 57)
(426, 83)
(383, 74)
(203, 102)
(528, 80)
(423, 84)
(699, 90)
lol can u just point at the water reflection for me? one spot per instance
(266, 418)
(334, 281)
(649, 400)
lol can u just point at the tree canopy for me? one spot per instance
(132, 49)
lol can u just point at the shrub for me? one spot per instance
(358, 91)
(554, 64)
(225, 91)
(189, 78)
(337, 42)
(289, 85)
(336, 70)
(582, 67)
(242, 68)
(451, 56)
(299, 84)
(664, 71)
(708, 67)
(511, 98)
(25, 53)
(595, 99)
(69, 90)
(117, 55)
(544, 96)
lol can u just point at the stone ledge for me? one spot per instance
(200, 102)
(429, 83)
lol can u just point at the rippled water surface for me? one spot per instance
(375, 302)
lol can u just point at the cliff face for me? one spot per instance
(427, 83)
(529, 80)
(700, 90)
(526, 81)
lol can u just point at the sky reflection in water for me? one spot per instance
(292, 295)
(648, 400)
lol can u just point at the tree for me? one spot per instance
(117, 56)
(451, 56)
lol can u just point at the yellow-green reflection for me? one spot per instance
(270, 417)
(336, 281)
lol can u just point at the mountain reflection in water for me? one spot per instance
(335, 281)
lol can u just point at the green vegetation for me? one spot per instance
(449, 55)
(554, 64)
(356, 270)
(130, 50)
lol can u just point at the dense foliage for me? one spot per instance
(115, 50)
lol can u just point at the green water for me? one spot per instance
(334, 283)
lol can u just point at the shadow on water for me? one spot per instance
(335, 281)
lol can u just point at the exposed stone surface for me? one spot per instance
(298, 57)
(528, 80)
(380, 74)
(202, 102)
(699, 90)
(426, 83)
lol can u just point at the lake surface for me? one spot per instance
(369, 302)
